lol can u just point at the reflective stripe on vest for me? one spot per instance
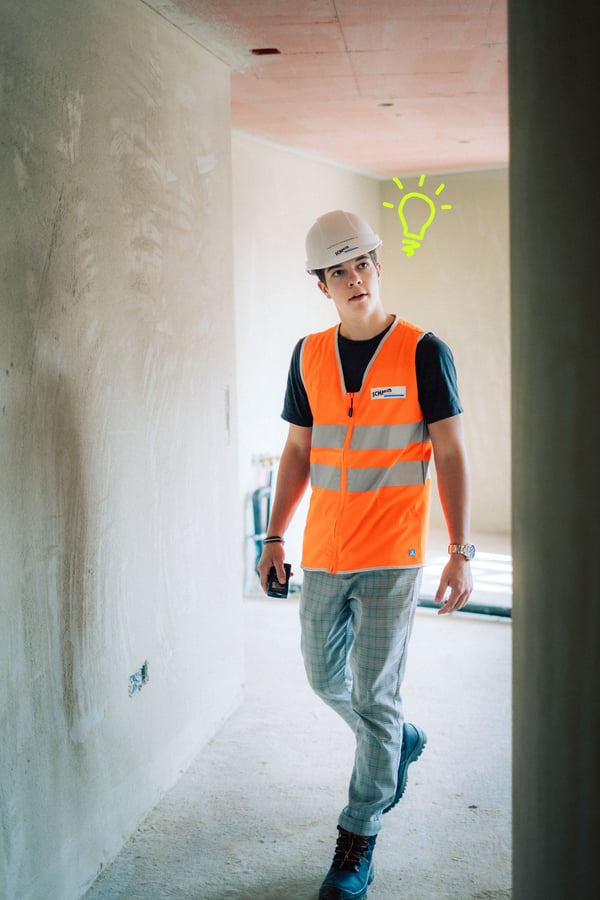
(369, 437)
(370, 481)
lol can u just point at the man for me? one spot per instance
(368, 401)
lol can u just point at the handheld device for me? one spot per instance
(274, 587)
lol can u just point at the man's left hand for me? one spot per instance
(457, 578)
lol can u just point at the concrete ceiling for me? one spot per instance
(387, 88)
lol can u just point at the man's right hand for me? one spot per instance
(272, 555)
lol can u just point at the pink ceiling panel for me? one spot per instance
(401, 34)
(389, 62)
(303, 65)
(358, 10)
(392, 88)
(489, 70)
(292, 91)
(325, 37)
(442, 64)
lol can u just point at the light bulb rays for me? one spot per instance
(416, 212)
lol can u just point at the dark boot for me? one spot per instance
(351, 871)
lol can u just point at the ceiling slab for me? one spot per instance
(411, 86)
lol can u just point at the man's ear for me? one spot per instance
(323, 287)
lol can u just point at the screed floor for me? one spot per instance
(254, 818)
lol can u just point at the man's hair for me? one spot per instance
(320, 273)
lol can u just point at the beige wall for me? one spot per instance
(457, 285)
(277, 195)
(117, 452)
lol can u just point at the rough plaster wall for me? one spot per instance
(457, 285)
(117, 460)
(277, 195)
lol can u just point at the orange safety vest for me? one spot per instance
(369, 459)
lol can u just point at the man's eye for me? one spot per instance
(337, 273)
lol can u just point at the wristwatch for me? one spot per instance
(466, 550)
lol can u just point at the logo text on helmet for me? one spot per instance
(345, 249)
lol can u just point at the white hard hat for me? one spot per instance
(336, 237)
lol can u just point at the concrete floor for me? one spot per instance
(254, 818)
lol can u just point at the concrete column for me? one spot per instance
(555, 252)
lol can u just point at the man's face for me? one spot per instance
(353, 285)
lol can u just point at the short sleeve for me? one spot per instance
(296, 408)
(436, 379)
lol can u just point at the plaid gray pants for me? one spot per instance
(355, 634)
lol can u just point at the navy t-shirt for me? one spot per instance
(436, 378)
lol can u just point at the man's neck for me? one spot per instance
(365, 329)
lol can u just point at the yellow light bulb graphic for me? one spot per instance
(413, 235)
(416, 212)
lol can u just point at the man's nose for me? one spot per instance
(355, 278)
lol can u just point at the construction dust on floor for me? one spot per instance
(254, 817)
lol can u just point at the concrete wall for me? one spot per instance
(119, 512)
(457, 285)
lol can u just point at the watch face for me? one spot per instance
(470, 551)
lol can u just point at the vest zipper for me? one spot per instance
(343, 484)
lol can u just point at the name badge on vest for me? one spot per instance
(389, 393)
